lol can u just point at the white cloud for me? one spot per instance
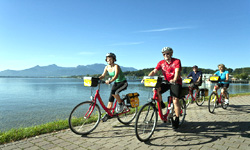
(165, 29)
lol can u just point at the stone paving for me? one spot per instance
(224, 130)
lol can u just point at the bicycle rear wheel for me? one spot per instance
(128, 115)
(212, 102)
(201, 99)
(223, 105)
(146, 122)
(84, 118)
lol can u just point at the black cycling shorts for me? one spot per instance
(222, 85)
(175, 89)
(117, 88)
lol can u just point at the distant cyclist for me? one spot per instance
(197, 79)
(120, 82)
(224, 83)
(171, 69)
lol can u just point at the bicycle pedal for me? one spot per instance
(105, 118)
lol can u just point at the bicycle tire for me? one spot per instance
(146, 122)
(223, 105)
(200, 100)
(84, 125)
(129, 116)
(213, 99)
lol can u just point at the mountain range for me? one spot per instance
(57, 71)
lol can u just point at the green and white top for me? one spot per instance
(120, 77)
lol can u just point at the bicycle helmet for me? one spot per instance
(167, 49)
(111, 55)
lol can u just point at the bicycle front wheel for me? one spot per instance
(212, 102)
(223, 105)
(128, 115)
(84, 118)
(146, 122)
(200, 100)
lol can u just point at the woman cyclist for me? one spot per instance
(120, 82)
(224, 81)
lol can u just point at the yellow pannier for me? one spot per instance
(133, 99)
(152, 81)
(90, 81)
(187, 81)
(214, 78)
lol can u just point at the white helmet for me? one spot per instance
(167, 49)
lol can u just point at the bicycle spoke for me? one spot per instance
(145, 123)
(84, 118)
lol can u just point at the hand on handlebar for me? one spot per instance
(107, 81)
(172, 81)
(142, 81)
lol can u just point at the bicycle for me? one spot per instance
(146, 120)
(214, 99)
(85, 117)
(190, 98)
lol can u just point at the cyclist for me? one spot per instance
(171, 69)
(197, 79)
(224, 81)
(120, 82)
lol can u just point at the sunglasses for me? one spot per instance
(165, 54)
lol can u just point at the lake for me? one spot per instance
(26, 102)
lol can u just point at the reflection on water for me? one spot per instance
(33, 101)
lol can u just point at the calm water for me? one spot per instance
(32, 101)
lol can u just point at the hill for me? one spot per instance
(57, 71)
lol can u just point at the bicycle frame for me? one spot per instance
(193, 96)
(163, 117)
(110, 111)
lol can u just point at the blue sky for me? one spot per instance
(81, 32)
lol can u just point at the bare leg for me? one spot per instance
(110, 105)
(177, 107)
(118, 98)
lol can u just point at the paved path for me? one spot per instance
(224, 130)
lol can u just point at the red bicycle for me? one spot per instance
(85, 117)
(190, 98)
(214, 99)
(147, 117)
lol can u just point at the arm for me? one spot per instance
(200, 77)
(189, 74)
(176, 75)
(104, 73)
(227, 77)
(153, 72)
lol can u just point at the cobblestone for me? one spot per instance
(227, 129)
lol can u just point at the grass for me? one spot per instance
(23, 133)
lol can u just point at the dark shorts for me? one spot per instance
(117, 88)
(175, 89)
(222, 85)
